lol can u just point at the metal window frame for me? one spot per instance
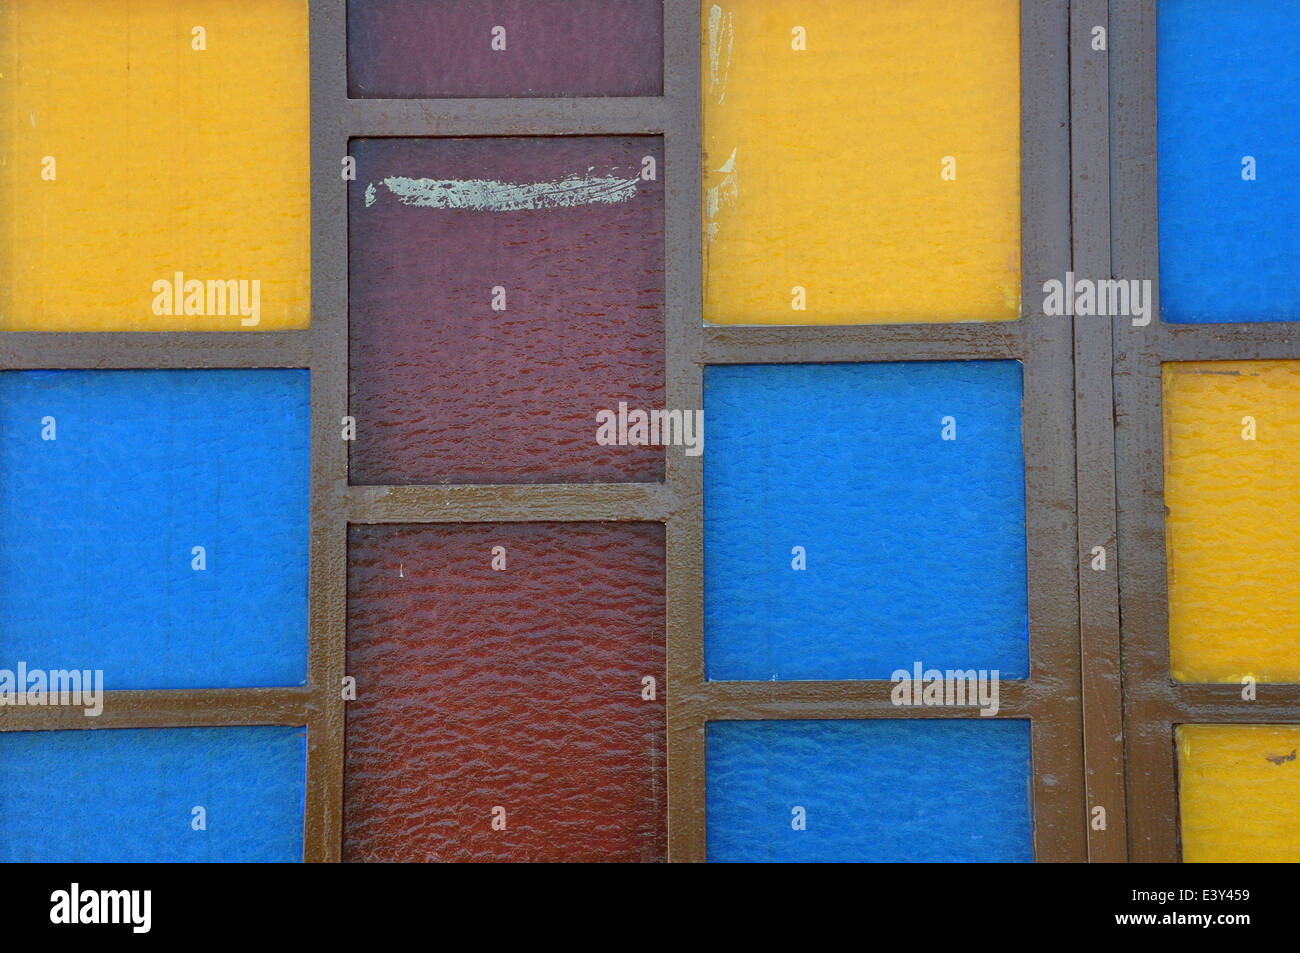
(1050, 698)
(1154, 704)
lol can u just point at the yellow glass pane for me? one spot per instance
(877, 169)
(1232, 524)
(129, 156)
(1239, 792)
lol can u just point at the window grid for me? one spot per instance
(1050, 698)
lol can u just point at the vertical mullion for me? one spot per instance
(1099, 640)
(1050, 525)
(1148, 690)
(683, 326)
(323, 836)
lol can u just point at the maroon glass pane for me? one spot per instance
(503, 292)
(518, 695)
(452, 48)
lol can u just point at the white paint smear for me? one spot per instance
(726, 192)
(720, 30)
(490, 195)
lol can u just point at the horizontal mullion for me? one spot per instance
(1257, 341)
(1204, 703)
(1217, 705)
(509, 503)
(171, 709)
(749, 701)
(164, 349)
(766, 344)
(506, 117)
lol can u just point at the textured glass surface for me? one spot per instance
(506, 48)
(507, 713)
(152, 145)
(155, 525)
(503, 292)
(861, 161)
(1239, 793)
(1232, 520)
(845, 537)
(1228, 76)
(152, 795)
(880, 790)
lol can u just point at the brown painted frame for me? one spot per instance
(1154, 705)
(1050, 698)
(1099, 619)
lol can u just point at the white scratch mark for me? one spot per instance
(726, 192)
(720, 29)
(490, 195)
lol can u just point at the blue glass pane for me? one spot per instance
(1228, 75)
(914, 545)
(100, 560)
(887, 790)
(122, 795)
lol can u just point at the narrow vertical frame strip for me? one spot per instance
(1051, 526)
(683, 323)
(1095, 437)
(326, 663)
(1148, 745)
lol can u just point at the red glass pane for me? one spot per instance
(522, 689)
